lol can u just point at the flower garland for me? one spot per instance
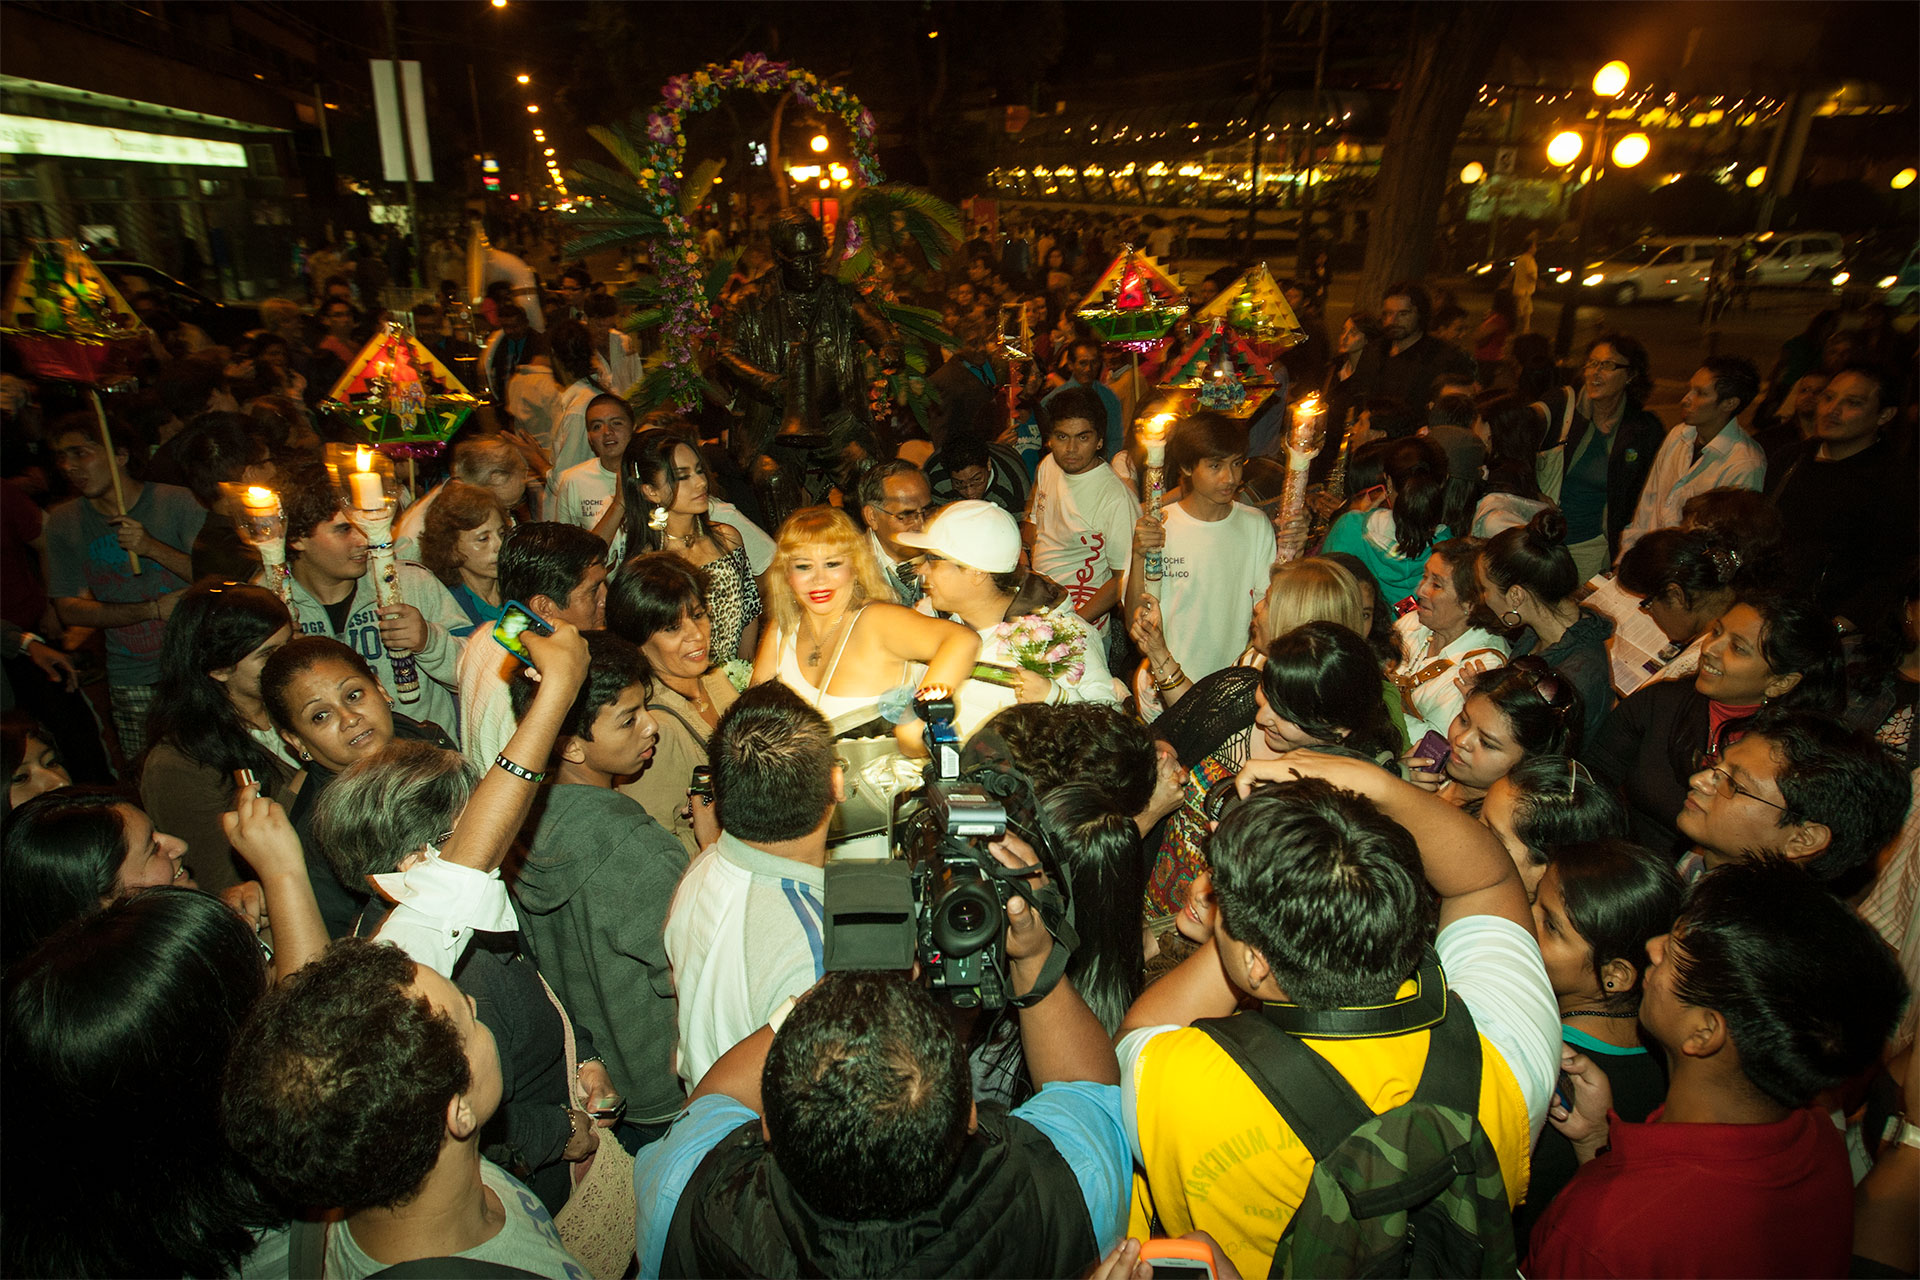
(679, 261)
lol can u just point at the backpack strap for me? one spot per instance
(1451, 1077)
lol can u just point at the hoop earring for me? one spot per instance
(1511, 613)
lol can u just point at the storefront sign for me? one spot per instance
(32, 136)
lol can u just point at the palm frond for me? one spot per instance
(694, 191)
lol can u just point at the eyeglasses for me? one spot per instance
(929, 557)
(911, 513)
(1604, 366)
(1724, 785)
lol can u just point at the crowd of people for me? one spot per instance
(1547, 824)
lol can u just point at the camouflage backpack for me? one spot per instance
(1415, 1191)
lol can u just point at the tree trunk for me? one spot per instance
(1453, 46)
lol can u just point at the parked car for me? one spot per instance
(1657, 267)
(1796, 257)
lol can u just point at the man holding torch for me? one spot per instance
(333, 595)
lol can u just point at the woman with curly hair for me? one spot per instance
(461, 545)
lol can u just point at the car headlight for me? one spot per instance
(1841, 277)
(1887, 282)
(1593, 279)
(1563, 277)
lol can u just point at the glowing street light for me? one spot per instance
(1565, 148)
(1473, 173)
(524, 78)
(1903, 179)
(533, 108)
(499, 4)
(1631, 150)
(1758, 176)
(819, 143)
(549, 151)
(1611, 80)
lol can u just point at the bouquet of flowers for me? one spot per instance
(1038, 644)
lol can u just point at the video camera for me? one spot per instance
(942, 897)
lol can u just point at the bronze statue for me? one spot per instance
(791, 348)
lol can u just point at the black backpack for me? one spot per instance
(1415, 1191)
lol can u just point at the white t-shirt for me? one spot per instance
(1083, 528)
(581, 494)
(1213, 571)
(527, 1240)
(1496, 967)
(745, 931)
(570, 447)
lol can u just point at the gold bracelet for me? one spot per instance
(1167, 684)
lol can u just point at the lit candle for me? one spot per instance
(1153, 434)
(1309, 425)
(260, 503)
(364, 484)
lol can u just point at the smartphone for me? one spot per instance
(1563, 1091)
(1178, 1259)
(700, 783)
(515, 618)
(1434, 749)
(1405, 607)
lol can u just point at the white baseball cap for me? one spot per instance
(979, 535)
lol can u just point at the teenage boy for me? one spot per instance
(558, 571)
(333, 596)
(1079, 529)
(91, 547)
(583, 492)
(1216, 553)
(1086, 361)
(1765, 993)
(597, 879)
(361, 1084)
(1708, 450)
(1800, 787)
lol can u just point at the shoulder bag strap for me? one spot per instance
(1451, 1077)
(1315, 1100)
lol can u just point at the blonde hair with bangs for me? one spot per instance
(831, 531)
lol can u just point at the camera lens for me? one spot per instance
(967, 919)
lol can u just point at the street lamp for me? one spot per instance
(524, 78)
(1903, 179)
(533, 108)
(1631, 150)
(1758, 176)
(1473, 173)
(1608, 82)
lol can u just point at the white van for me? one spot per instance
(1657, 267)
(1794, 257)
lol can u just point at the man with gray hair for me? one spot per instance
(895, 498)
(492, 463)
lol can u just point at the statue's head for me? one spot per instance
(799, 242)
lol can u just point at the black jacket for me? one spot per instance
(1647, 748)
(1629, 458)
(1013, 1208)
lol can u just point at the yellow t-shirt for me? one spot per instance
(1219, 1158)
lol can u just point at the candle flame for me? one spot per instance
(362, 458)
(259, 497)
(935, 691)
(1155, 428)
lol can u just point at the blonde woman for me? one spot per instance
(835, 636)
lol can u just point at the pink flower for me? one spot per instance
(1076, 671)
(1057, 653)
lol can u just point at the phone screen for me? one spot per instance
(514, 619)
(1180, 1269)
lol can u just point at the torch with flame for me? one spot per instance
(1153, 435)
(370, 499)
(1304, 439)
(262, 525)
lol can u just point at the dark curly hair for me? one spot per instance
(338, 1085)
(1095, 743)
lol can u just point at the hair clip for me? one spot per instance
(1576, 773)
